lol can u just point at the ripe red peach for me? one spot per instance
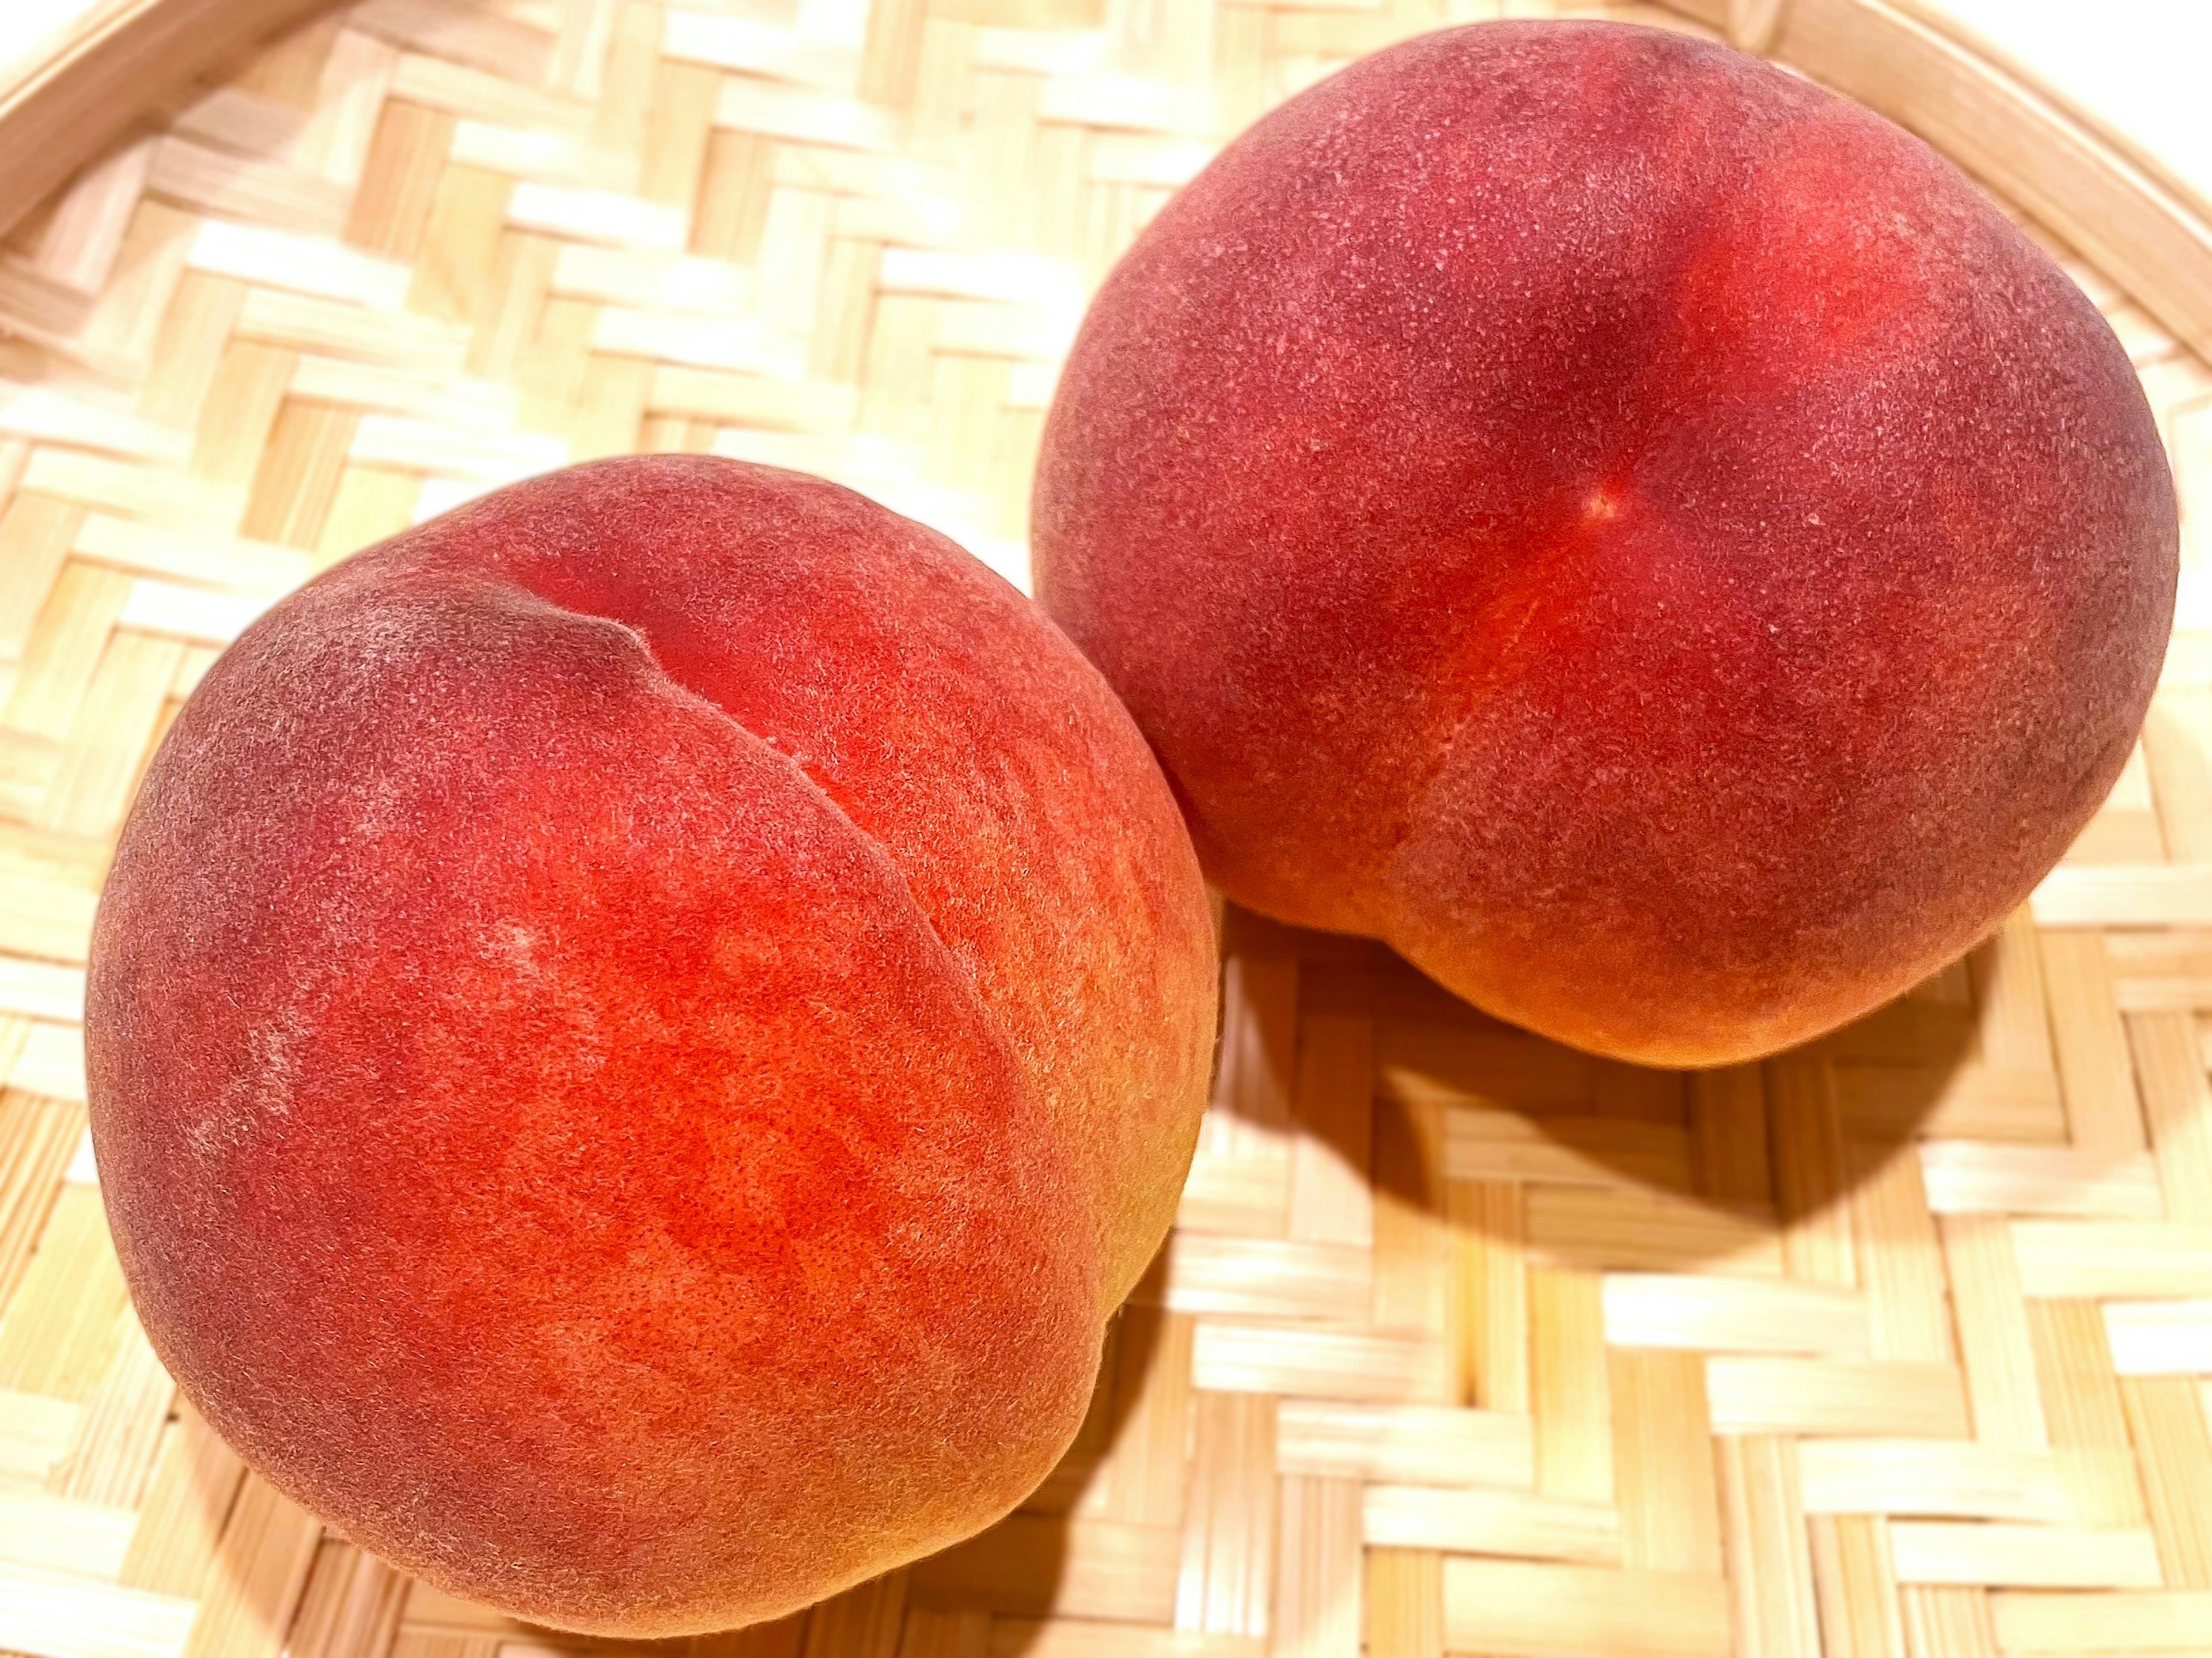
(637, 1033)
(1638, 533)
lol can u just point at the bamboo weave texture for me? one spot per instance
(1899, 1344)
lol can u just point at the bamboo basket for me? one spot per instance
(1898, 1345)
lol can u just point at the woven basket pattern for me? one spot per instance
(1464, 1343)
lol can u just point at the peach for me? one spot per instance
(637, 1033)
(1635, 532)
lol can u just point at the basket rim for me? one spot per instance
(94, 78)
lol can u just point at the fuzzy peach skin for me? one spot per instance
(1636, 531)
(636, 1034)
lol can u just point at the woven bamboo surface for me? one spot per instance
(1464, 1343)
